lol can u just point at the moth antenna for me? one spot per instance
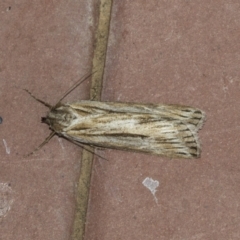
(39, 100)
(42, 144)
(81, 80)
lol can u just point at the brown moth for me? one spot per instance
(164, 130)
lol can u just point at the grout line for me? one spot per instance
(98, 64)
(100, 50)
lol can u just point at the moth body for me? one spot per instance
(59, 118)
(165, 130)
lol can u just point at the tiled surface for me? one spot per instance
(46, 46)
(184, 52)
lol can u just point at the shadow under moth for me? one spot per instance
(164, 130)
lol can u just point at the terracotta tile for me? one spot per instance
(183, 52)
(175, 52)
(46, 46)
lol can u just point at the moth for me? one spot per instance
(164, 130)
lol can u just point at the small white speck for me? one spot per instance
(151, 185)
(61, 143)
(6, 147)
(6, 198)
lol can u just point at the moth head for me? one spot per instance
(58, 118)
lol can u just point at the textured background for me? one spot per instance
(183, 52)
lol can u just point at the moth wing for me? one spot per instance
(148, 133)
(190, 116)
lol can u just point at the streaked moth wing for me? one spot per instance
(166, 130)
(193, 117)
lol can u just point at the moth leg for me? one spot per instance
(42, 144)
(82, 145)
(85, 148)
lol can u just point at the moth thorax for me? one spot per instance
(58, 119)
